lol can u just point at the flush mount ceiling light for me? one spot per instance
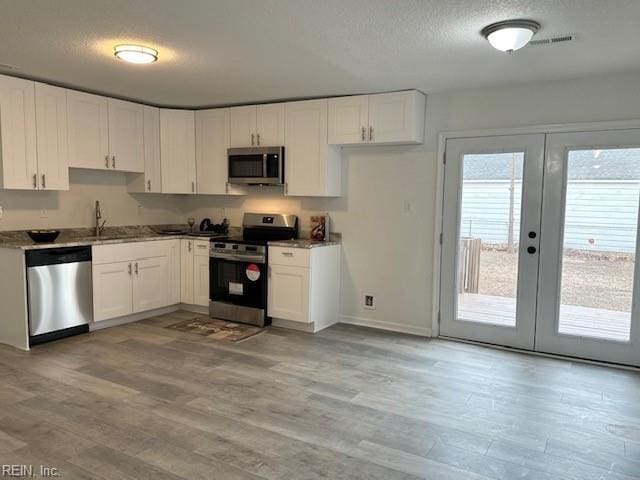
(135, 53)
(510, 35)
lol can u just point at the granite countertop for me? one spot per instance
(77, 237)
(304, 243)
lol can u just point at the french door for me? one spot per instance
(539, 243)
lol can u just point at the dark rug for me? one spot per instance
(217, 329)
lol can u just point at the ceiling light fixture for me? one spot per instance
(510, 35)
(135, 53)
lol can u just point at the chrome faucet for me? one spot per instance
(99, 227)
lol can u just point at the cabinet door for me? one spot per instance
(126, 135)
(186, 272)
(178, 151)
(150, 287)
(288, 293)
(212, 141)
(242, 126)
(349, 120)
(151, 139)
(51, 132)
(18, 127)
(396, 117)
(88, 129)
(112, 290)
(270, 125)
(201, 279)
(308, 158)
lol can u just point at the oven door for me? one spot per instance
(238, 282)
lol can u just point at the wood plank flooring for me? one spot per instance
(140, 401)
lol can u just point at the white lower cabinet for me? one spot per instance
(194, 276)
(112, 290)
(134, 277)
(150, 288)
(304, 287)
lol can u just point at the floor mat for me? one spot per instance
(217, 329)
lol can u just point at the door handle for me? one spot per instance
(370, 133)
(106, 161)
(113, 161)
(531, 250)
(252, 137)
(193, 187)
(35, 180)
(189, 245)
(364, 133)
(258, 138)
(129, 269)
(44, 181)
(136, 268)
(149, 185)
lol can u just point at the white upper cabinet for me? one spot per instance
(126, 135)
(88, 129)
(18, 127)
(270, 125)
(178, 151)
(151, 180)
(212, 142)
(52, 139)
(312, 167)
(349, 120)
(257, 125)
(381, 119)
(242, 126)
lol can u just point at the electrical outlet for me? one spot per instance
(369, 301)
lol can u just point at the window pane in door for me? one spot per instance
(489, 238)
(599, 246)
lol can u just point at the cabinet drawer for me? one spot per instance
(295, 257)
(201, 247)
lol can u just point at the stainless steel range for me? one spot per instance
(239, 266)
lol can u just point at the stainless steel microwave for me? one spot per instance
(256, 165)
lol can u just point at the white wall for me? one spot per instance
(26, 209)
(387, 214)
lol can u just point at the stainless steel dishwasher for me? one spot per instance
(60, 292)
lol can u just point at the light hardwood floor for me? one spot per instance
(143, 402)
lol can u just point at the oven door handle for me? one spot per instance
(241, 258)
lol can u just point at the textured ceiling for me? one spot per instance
(216, 52)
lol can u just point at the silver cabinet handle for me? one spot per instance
(370, 133)
(35, 180)
(193, 187)
(106, 161)
(113, 161)
(287, 254)
(129, 269)
(149, 185)
(189, 244)
(226, 187)
(203, 246)
(252, 136)
(258, 138)
(44, 181)
(364, 133)
(136, 268)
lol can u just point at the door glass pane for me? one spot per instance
(600, 227)
(489, 238)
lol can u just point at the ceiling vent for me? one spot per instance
(550, 41)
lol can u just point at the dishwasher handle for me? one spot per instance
(57, 256)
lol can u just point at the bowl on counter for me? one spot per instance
(43, 236)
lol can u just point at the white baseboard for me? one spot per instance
(391, 326)
(132, 318)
